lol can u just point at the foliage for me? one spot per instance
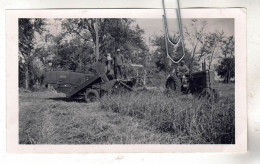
(27, 30)
(74, 55)
(210, 45)
(113, 34)
(160, 55)
(194, 35)
(228, 46)
(226, 68)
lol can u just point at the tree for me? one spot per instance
(27, 30)
(228, 46)
(211, 43)
(194, 36)
(161, 60)
(113, 34)
(226, 69)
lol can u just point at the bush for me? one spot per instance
(192, 120)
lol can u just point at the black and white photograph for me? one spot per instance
(127, 80)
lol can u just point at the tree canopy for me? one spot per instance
(27, 30)
(226, 69)
(73, 47)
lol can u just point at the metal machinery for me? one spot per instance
(90, 86)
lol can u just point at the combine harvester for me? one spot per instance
(89, 86)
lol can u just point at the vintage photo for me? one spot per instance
(127, 80)
(132, 92)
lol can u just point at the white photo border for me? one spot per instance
(12, 90)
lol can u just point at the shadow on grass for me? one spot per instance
(67, 99)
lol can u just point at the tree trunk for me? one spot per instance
(26, 77)
(97, 39)
(193, 56)
(228, 78)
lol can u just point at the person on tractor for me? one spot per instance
(182, 70)
(118, 64)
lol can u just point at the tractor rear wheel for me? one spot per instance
(91, 95)
(211, 94)
(173, 83)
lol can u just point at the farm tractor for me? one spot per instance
(199, 83)
(90, 86)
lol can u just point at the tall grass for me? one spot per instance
(191, 120)
(49, 118)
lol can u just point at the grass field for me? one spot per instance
(131, 118)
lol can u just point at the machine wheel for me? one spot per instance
(173, 83)
(210, 94)
(118, 88)
(91, 95)
(216, 95)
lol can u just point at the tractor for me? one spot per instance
(199, 83)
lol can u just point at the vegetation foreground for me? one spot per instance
(130, 118)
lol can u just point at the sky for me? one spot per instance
(153, 27)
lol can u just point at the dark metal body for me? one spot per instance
(196, 82)
(76, 84)
(200, 80)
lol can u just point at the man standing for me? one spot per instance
(118, 63)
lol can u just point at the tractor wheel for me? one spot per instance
(91, 95)
(173, 83)
(216, 95)
(211, 94)
(119, 88)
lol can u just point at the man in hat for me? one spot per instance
(118, 63)
(182, 69)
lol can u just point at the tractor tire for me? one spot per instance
(173, 83)
(216, 95)
(211, 94)
(91, 95)
(119, 89)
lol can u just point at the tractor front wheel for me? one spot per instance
(211, 94)
(91, 95)
(173, 83)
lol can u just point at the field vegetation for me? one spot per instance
(127, 118)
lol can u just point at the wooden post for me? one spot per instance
(97, 40)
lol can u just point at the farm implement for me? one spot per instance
(89, 86)
(198, 83)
